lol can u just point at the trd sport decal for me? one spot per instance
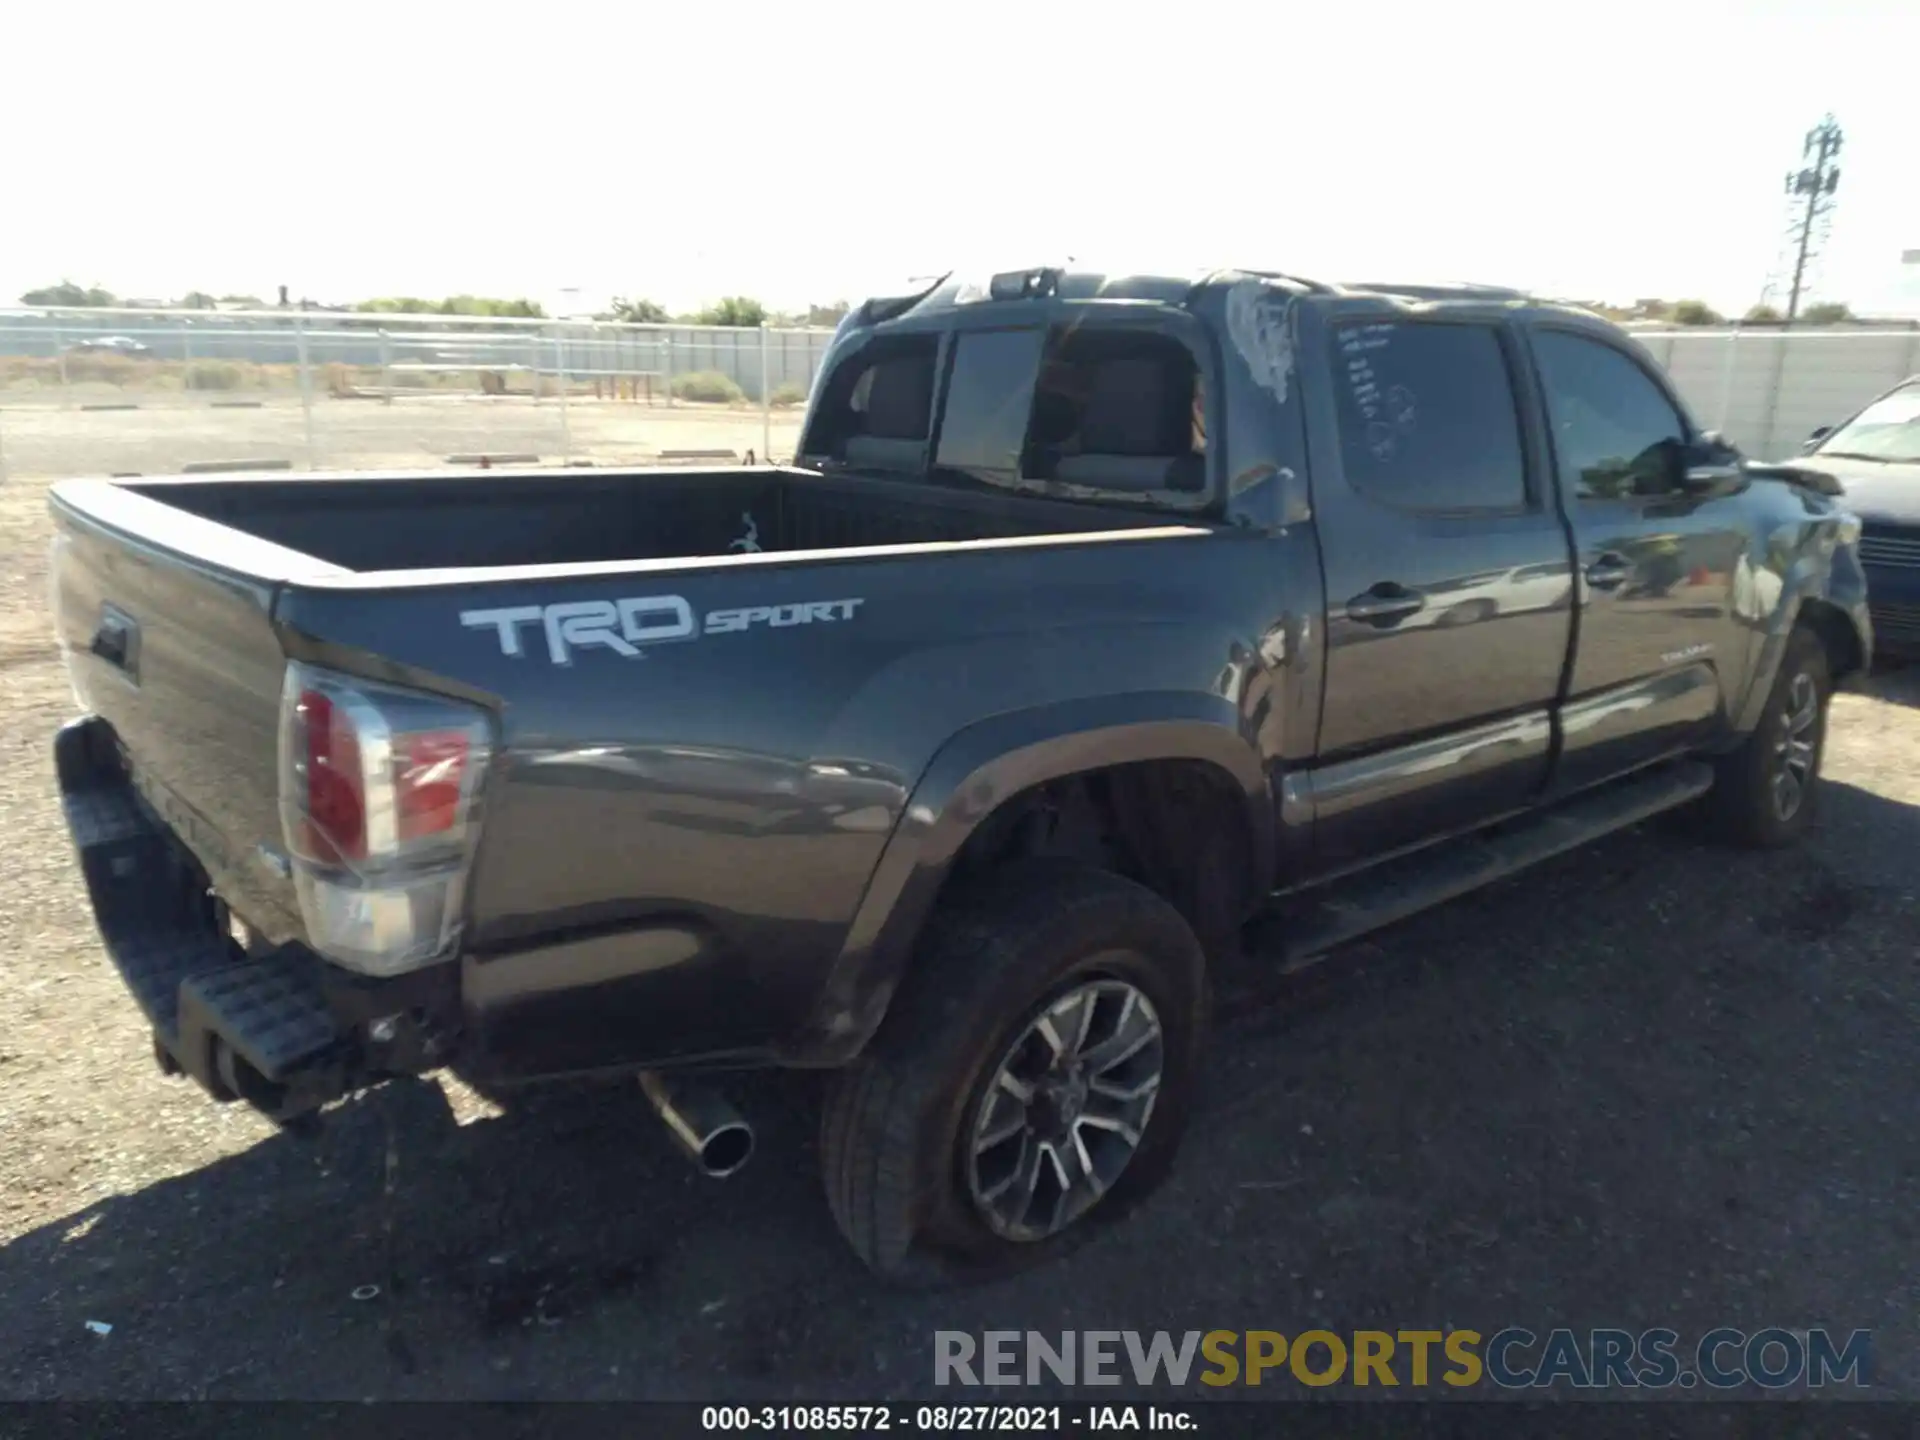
(623, 626)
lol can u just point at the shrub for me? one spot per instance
(85, 367)
(790, 394)
(708, 387)
(215, 375)
(1695, 312)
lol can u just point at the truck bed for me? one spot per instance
(508, 518)
(780, 744)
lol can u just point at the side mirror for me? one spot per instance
(1820, 433)
(1712, 467)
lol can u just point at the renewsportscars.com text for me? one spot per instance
(1511, 1358)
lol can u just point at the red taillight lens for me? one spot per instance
(380, 810)
(334, 824)
(429, 776)
(375, 777)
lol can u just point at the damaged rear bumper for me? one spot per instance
(279, 1028)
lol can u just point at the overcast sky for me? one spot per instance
(814, 151)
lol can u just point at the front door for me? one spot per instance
(1658, 624)
(1449, 582)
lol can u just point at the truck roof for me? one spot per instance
(1175, 287)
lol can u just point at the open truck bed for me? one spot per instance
(407, 522)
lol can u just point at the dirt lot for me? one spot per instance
(1651, 1083)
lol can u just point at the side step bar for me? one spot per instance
(1313, 923)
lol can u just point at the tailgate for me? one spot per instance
(181, 659)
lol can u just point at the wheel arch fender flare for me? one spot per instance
(969, 777)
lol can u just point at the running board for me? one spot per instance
(1313, 923)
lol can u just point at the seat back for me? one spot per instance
(1136, 430)
(899, 407)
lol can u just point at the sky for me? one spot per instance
(818, 151)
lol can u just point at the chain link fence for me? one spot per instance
(321, 389)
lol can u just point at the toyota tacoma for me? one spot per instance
(1100, 622)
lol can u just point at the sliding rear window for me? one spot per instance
(1108, 407)
(989, 400)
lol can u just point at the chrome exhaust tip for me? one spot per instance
(702, 1123)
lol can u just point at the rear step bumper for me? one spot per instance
(271, 1029)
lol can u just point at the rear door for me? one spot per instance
(1659, 631)
(1449, 578)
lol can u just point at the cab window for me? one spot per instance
(1427, 416)
(1615, 433)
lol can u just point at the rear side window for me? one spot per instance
(876, 407)
(988, 401)
(1427, 416)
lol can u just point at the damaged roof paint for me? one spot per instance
(1258, 317)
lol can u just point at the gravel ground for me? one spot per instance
(1649, 1083)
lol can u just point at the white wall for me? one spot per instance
(1767, 391)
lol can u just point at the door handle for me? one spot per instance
(117, 640)
(1609, 570)
(1385, 604)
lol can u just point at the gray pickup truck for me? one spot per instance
(1098, 617)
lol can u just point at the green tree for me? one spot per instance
(736, 310)
(518, 309)
(452, 305)
(197, 300)
(827, 316)
(245, 302)
(68, 293)
(398, 305)
(1696, 312)
(1831, 312)
(1764, 315)
(636, 312)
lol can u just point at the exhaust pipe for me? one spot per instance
(702, 1123)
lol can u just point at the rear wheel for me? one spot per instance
(1032, 1078)
(1764, 793)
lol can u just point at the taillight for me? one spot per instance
(333, 826)
(429, 776)
(379, 798)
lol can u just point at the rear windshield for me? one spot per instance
(1108, 408)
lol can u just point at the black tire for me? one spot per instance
(896, 1132)
(1743, 807)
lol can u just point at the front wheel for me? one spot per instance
(1764, 792)
(1031, 1080)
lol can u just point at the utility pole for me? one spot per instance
(1814, 183)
